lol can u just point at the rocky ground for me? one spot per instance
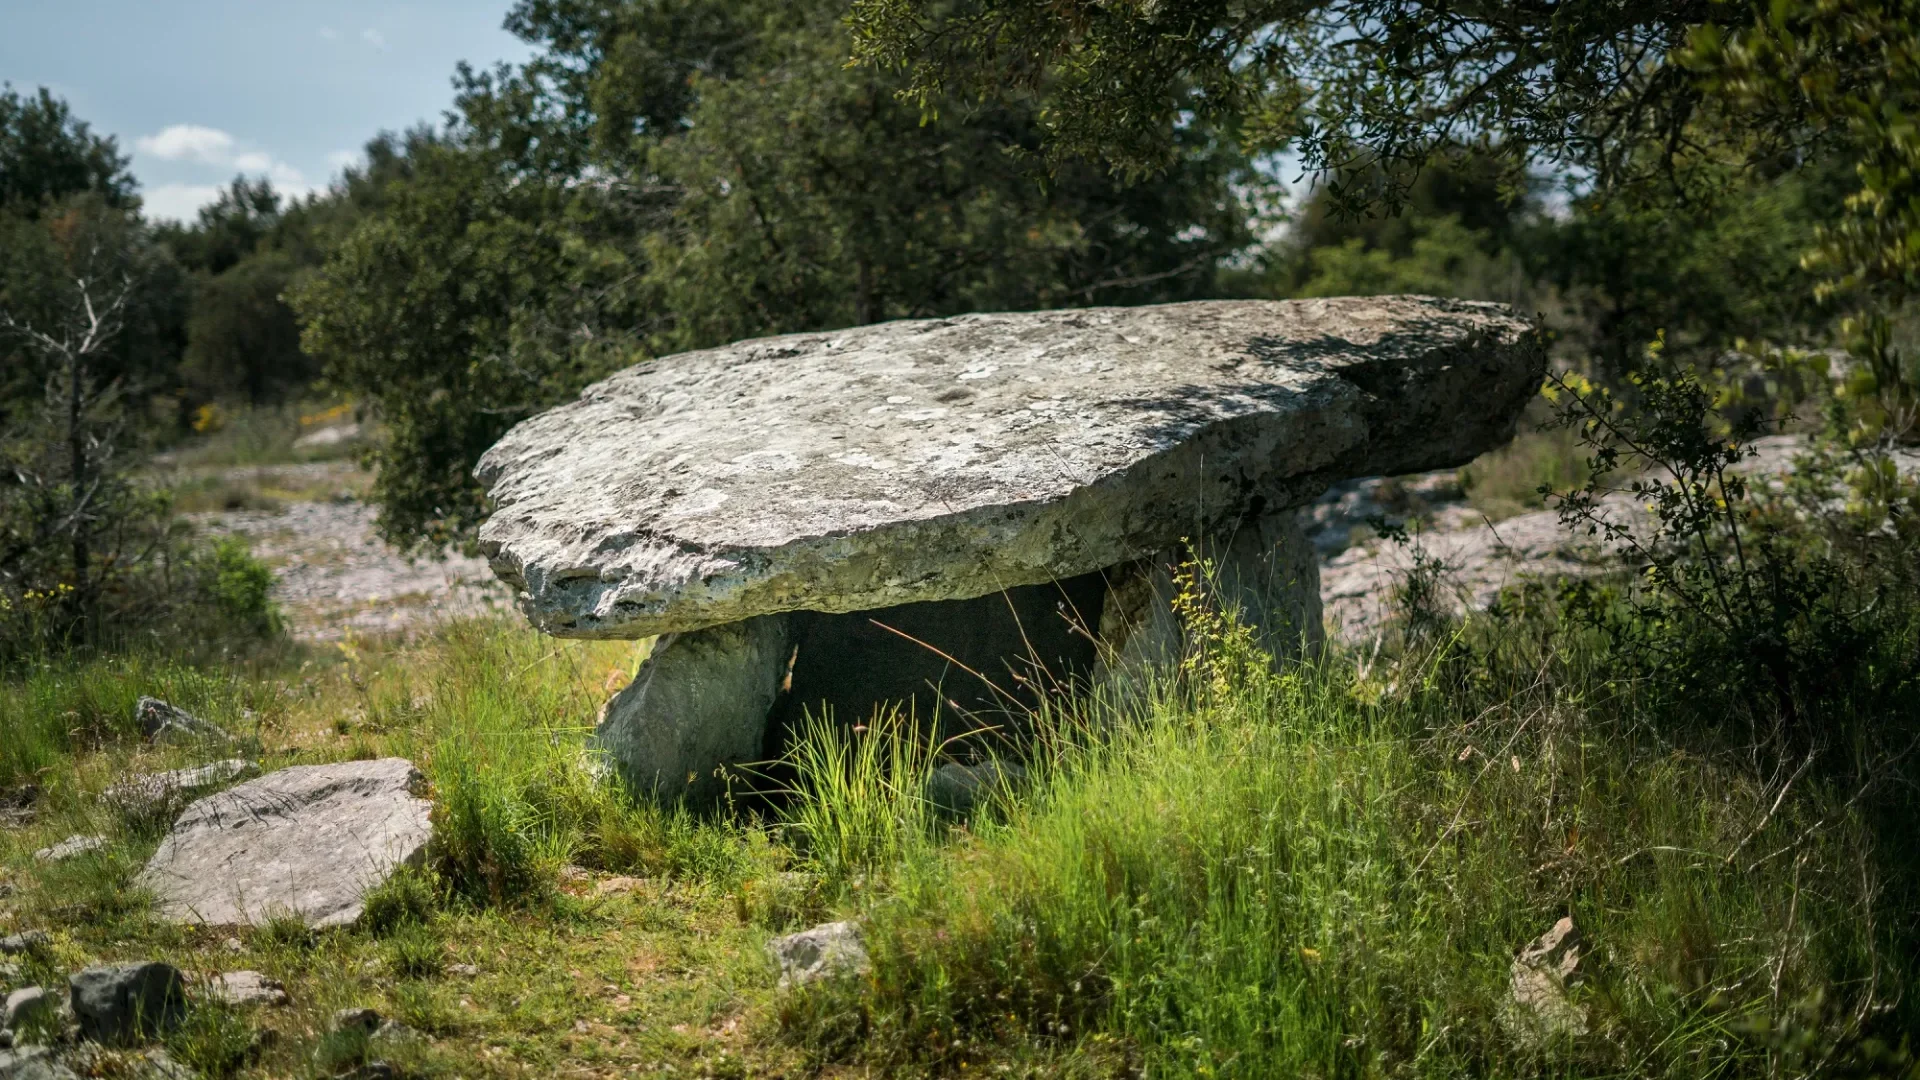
(334, 576)
(1473, 558)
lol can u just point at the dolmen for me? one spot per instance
(956, 517)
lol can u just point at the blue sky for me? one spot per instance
(199, 90)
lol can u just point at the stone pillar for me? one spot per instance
(1266, 572)
(699, 702)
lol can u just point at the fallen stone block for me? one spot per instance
(309, 841)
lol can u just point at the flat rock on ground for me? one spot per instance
(308, 841)
(953, 458)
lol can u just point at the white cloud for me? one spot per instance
(328, 33)
(188, 142)
(341, 160)
(215, 149)
(178, 202)
(374, 38)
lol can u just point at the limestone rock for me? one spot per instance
(118, 1004)
(699, 701)
(308, 841)
(827, 950)
(954, 458)
(1539, 1005)
(33, 1063)
(161, 722)
(156, 794)
(29, 1006)
(70, 848)
(26, 943)
(246, 988)
(363, 1020)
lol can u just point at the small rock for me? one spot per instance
(118, 1003)
(246, 988)
(955, 790)
(327, 436)
(11, 974)
(365, 1021)
(467, 971)
(71, 847)
(393, 1031)
(26, 943)
(161, 722)
(157, 1064)
(825, 951)
(152, 794)
(32, 1063)
(1540, 1005)
(30, 1006)
(614, 885)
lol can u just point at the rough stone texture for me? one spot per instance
(309, 841)
(954, 458)
(823, 952)
(26, 943)
(1476, 560)
(33, 1063)
(161, 722)
(119, 1004)
(154, 794)
(27, 1006)
(1542, 973)
(246, 988)
(699, 700)
(71, 848)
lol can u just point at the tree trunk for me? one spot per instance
(78, 467)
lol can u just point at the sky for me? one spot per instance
(197, 91)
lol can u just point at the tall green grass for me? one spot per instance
(499, 722)
(1304, 874)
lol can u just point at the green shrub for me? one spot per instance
(407, 898)
(416, 951)
(213, 1040)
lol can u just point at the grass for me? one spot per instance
(1288, 882)
(1321, 872)
(1506, 482)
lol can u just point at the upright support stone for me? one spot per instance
(699, 701)
(1265, 573)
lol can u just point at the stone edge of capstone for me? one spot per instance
(1502, 329)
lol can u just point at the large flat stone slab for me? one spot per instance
(308, 841)
(954, 458)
